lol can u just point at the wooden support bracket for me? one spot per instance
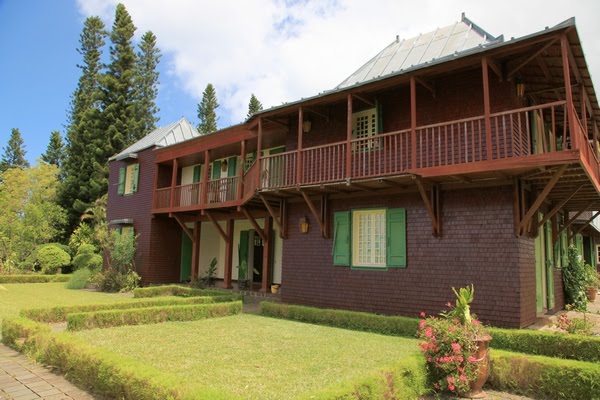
(542, 196)
(283, 217)
(558, 206)
(570, 222)
(426, 85)
(432, 205)
(274, 215)
(217, 226)
(257, 228)
(532, 57)
(182, 224)
(589, 221)
(364, 99)
(318, 215)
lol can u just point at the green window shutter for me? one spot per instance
(341, 238)
(136, 177)
(231, 166)
(216, 169)
(121, 189)
(396, 237)
(549, 266)
(196, 177)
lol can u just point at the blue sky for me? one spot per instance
(279, 50)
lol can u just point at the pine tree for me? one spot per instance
(84, 130)
(14, 152)
(254, 106)
(207, 111)
(118, 105)
(146, 88)
(55, 151)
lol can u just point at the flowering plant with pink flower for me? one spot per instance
(449, 343)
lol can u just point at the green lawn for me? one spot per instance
(255, 357)
(16, 296)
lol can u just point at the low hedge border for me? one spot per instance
(33, 278)
(150, 315)
(544, 377)
(176, 290)
(573, 347)
(59, 314)
(405, 380)
(102, 372)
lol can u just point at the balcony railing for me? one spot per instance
(450, 143)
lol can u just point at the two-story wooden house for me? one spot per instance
(451, 158)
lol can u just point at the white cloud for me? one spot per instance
(285, 50)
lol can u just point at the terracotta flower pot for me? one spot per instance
(591, 293)
(482, 359)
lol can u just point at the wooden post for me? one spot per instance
(583, 109)
(228, 254)
(240, 172)
(595, 133)
(173, 182)
(564, 46)
(299, 160)
(413, 123)
(266, 267)
(349, 138)
(196, 250)
(486, 108)
(156, 169)
(258, 151)
(204, 199)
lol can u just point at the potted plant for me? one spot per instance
(456, 348)
(591, 282)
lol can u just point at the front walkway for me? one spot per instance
(23, 379)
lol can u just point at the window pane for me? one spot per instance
(369, 238)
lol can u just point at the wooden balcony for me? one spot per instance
(444, 149)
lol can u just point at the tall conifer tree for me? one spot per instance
(84, 130)
(254, 106)
(55, 152)
(146, 88)
(14, 152)
(207, 111)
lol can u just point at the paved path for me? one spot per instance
(23, 379)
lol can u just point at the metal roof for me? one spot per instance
(174, 133)
(422, 49)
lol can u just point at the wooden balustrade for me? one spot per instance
(188, 195)
(162, 198)
(324, 164)
(380, 155)
(279, 170)
(223, 190)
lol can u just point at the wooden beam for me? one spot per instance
(267, 255)
(564, 46)
(217, 226)
(228, 255)
(428, 205)
(486, 108)
(393, 184)
(364, 99)
(542, 196)
(277, 122)
(530, 58)
(271, 212)
(558, 206)
(314, 212)
(205, 177)
(196, 249)
(182, 224)
(413, 123)
(283, 217)
(240, 171)
(255, 225)
(299, 148)
(325, 215)
(348, 136)
(570, 221)
(548, 75)
(259, 150)
(496, 68)
(589, 221)
(173, 182)
(320, 114)
(426, 85)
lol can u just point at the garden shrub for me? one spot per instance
(112, 280)
(576, 275)
(176, 290)
(544, 377)
(106, 374)
(33, 278)
(79, 279)
(387, 325)
(151, 315)
(87, 257)
(51, 259)
(82, 235)
(59, 313)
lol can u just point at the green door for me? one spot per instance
(243, 255)
(186, 258)
(549, 265)
(539, 273)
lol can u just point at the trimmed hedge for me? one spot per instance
(573, 347)
(33, 278)
(360, 321)
(406, 380)
(176, 290)
(59, 313)
(544, 377)
(106, 374)
(151, 315)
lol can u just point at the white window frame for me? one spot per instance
(366, 234)
(129, 179)
(359, 131)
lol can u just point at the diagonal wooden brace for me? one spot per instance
(182, 224)
(257, 228)
(589, 221)
(274, 215)
(570, 222)
(431, 205)
(318, 215)
(217, 226)
(559, 206)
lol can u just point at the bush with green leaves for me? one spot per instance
(87, 257)
(51, 258)
(79, 279)
(111, 280)
(82, 235)
(121, 251)
(33, 278)
(575, 279)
